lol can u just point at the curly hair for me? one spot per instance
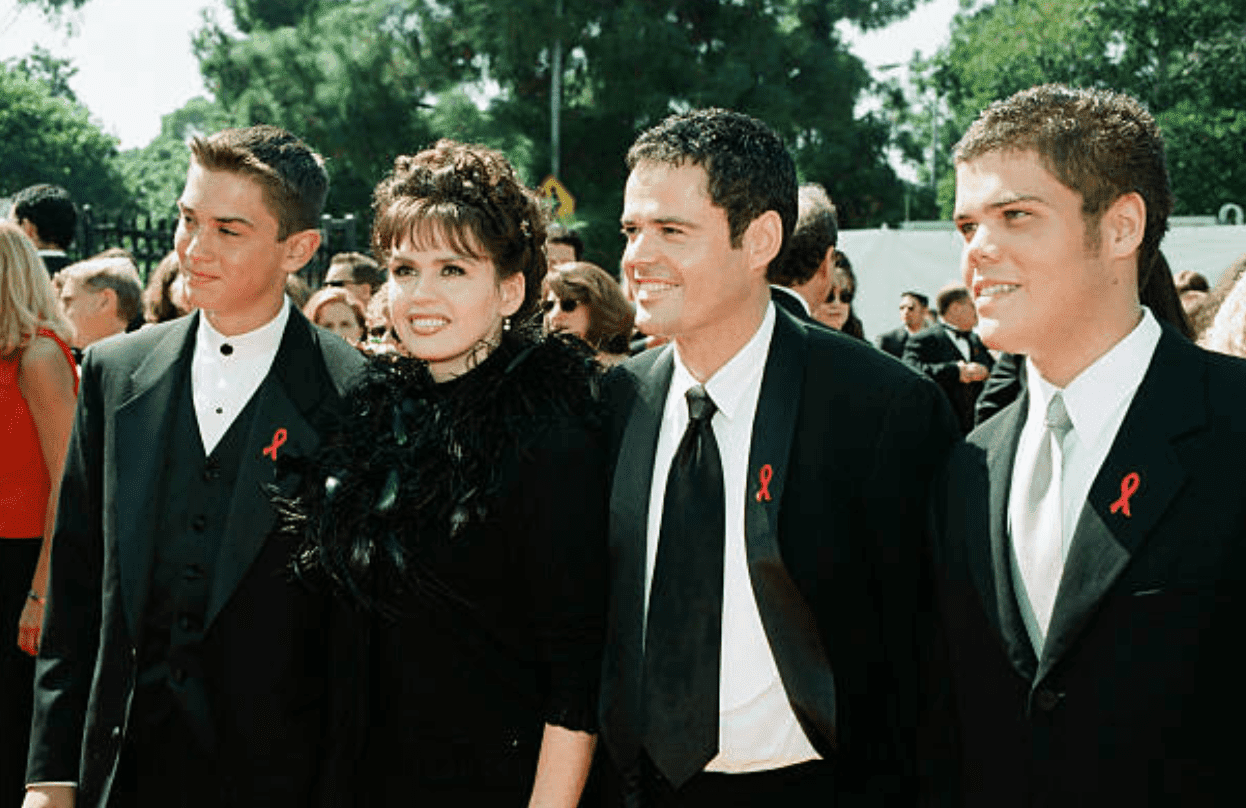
(748, 169)
(1098, 143)
(471, 198)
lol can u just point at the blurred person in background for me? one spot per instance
(914, 307)
(38, 386)
(563, 245)
(836, 311)
(46, 214)
(101, 297)
(357, 273)
(582, 299)
(338, 311)
(164, 298)
(952, 354)
(802, 276)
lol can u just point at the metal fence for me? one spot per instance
(149, 240)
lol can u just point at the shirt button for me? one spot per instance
(199, 523)
(192, 572)
(178, 675)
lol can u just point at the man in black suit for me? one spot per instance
(801, 277)
(768, 596)
(47, 215)
(1090, 537)
(179, 664)
(914, 306)
(952, 354)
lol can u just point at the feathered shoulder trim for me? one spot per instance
(414, 461)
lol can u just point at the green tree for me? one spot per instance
(46, 138)
(52, 71)
(1185, 59)
(366, 80)
(156, 173)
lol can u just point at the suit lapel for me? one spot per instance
(786, 617)
(991, 561)
(1107, 537)
(142, 424)
(282, 426)
(629, 521)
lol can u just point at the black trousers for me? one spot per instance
(18, 558)
(163, 765)
(805, 784)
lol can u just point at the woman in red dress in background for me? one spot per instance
(38, 389)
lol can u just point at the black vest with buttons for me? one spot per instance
(195, 502)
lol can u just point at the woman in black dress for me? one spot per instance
(464, 506)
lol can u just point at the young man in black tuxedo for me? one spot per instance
(180, 665)
(769, 595)
(952, 354)
(1090, 539)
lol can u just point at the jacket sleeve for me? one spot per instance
(921, 354)
(71, 626)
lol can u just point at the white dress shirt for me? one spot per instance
(226, 371)
(961, 343)
(797, 296)
(1096, 401)
(757, 729)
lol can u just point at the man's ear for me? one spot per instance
(1123, 225)
(298, 249)
(106, 298)
(512, 290)
(763, 239)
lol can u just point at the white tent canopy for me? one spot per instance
(888, 263)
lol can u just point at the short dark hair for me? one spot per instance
(561, 234)
(747, 167)
(921, 299)
(470, 196)
(817, 230)
(50, 210)
(362, 268)
(950, 295)
(291, 175)
(1098, 143)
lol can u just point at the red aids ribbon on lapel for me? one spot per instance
(764, 477)
(1129, 487)
(279, 437)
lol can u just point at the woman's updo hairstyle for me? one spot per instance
(469, 198)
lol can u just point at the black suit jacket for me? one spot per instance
(1136, 699)
(264, 646)
(893, 341)
(1005, 384)
(835, 556)
(785, 299)
(933, 352)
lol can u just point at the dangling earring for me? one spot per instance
(506, 324)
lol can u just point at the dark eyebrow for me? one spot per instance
(1010, 200)
(666, 220)
(222, 220)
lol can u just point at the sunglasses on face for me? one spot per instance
(335, 284)
(845, 295)
(567, 304)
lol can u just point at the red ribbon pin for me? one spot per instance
(765, 476)
(279, 437)
(1129, 487)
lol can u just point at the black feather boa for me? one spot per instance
(415, 461)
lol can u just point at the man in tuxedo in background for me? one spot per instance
(180, 665)
(47, 215)
(951, 354)
(1090, 540)
(769, 595)
(914, 306)
(802, 276)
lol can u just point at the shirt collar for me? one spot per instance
(729, 384)
(1099, 391)
(263, 340)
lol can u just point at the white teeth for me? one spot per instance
(998, 289)
(656, 286)
(428, 322)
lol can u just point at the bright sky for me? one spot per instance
(135, 63)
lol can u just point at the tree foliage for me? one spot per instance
(1184, 59)
(49, 138)
(366, 80)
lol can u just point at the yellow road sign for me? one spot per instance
(564, 202)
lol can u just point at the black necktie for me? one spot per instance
(684, 630)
